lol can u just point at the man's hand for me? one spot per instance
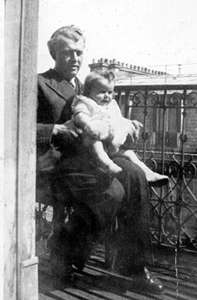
(135, 127)
(66, 136)
(67, 128)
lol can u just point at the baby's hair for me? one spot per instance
(70, 31)
(94, 77)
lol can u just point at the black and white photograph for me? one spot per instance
(99, 150)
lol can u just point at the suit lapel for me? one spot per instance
(60, 86)
(79, 87)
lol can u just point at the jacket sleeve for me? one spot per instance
(45, 122)
(52, 109)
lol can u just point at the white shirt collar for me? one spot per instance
(72, 82)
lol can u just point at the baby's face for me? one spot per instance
(102, 92)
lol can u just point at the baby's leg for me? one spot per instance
(103, 160)
(151, 176)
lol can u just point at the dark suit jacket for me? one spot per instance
(55, 96)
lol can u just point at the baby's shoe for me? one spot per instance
(157, 180)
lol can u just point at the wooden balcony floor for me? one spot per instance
(178, 274)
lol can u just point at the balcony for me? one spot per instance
(168, 145)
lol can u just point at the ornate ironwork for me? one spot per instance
(168, 145)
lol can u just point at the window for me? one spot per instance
(167, 120)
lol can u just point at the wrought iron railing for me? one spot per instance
(168, 145)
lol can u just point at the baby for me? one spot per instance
(106, 133)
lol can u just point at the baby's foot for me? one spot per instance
(156, 179)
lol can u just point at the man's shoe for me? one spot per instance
(146, 282)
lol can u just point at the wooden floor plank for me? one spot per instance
(97, 283)
(84, 294)
(61, 295)
(180, 296)
(103, 288)
(44, 297)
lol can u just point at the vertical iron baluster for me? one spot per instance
(180, 182)
(144, 124)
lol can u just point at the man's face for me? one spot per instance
(102, 92)
(69, 57)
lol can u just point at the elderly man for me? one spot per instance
(76, 182)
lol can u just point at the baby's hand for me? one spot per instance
(97, 129)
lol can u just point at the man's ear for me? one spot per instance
(53, 54)
(51, 50)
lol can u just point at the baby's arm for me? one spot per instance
(97, 129)
(81, 119)
(82, 111)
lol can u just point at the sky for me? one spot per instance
(158, 34)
